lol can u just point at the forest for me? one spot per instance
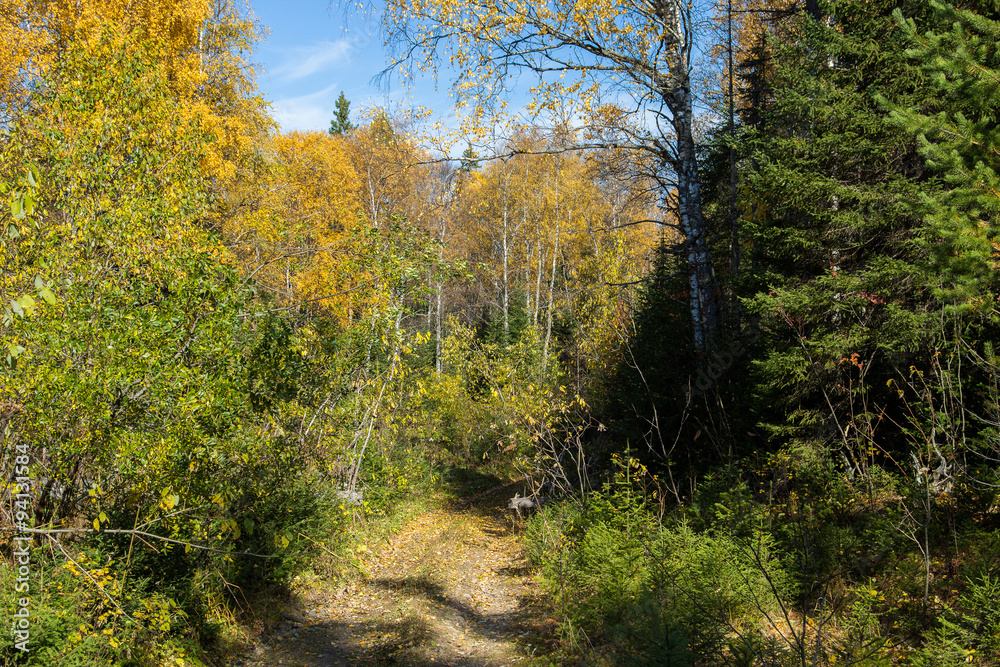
(721, 301)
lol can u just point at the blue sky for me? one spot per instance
(309, 57)
(313, 52)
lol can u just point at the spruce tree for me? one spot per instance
(960, 141)
(961, 146)
(469, 162)
(341, 123)
(872, 232)
(838, 282)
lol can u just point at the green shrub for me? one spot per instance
(656, 591)
(967, 632)
(94, 613)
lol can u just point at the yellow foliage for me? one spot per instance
(306, 237)
(383, 156)
(554, 230)
(586, 42)
(202, 52)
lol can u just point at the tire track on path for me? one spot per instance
(453, 587)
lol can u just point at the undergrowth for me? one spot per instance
(731, 581)
(98, 600)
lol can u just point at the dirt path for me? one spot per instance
(452, 588)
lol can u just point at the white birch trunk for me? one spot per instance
(506, 294)
(552, 286)
(677, 98)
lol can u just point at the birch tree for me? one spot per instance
(623, 66)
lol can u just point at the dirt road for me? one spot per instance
(453, 587)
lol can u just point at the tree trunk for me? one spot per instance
(527, 277)
(676, 93)
(538, 281)
(438, 332)
(734, 219)
(505, 297)
(552, 285)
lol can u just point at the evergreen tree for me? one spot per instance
(469, 161)
(341, 123)
(873, 247)
(647, 400)
(961, 144)
(839, 281)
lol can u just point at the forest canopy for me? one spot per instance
(725, 305)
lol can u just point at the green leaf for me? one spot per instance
(168, 500)
(103, 517)
(47, 295)
(16, 307)
(33, 176)
(27, 304)
(39, 283)
(17, 209)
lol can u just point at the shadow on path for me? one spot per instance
(452, 588)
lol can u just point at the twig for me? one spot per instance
(49, 532)
(87, 574)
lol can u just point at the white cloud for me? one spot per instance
(303, 61)
(314, 111)
(306, 112)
